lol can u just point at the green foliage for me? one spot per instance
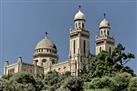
(67, 73)
(23, 87)
(122, 80)
(120, 56)
(21, 81)
(62, 82)
(106, 64)
(23, 77)
(7, 76)
(105, 72)
(39, 84)
(52, 80)
(63, 89)
(101, 83)
(104, 89)
(4, 85)
(133, 84)
(73, 84)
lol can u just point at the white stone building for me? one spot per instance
(45, 56)
(104, 42)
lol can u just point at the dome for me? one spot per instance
(45, 43)
(79, 15)
(104, 23)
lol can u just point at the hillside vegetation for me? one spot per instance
(106, 72)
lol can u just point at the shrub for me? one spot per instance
(122, 80)
(104, 82)
(73, 84)
(23, 77)
(133, 84)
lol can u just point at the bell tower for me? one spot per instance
(79, 43)
(104, 42)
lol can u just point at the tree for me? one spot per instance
(103, 83)
(120, 56)
(4, 85)
(105, 72)
(132, 84)
(22, 81)
(122, 80)
(7, 76)
(52, 80)
(72, 84)
(23, 77)
(106, 64)
(23, 87)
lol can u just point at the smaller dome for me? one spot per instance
(45, 43)
(79, 15)
(104, 23)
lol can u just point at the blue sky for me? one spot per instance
(24, 22)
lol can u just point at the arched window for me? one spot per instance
(36, 61)
(53, 62)
(84, 47)
(101, 32)
(44, 60)
(74, 46)
(108, 32)
(104, 32)
(82, 25)
(37, 51)
(76, 25)
(41, 50)
(59, 68)
(64, 67)
(79, 25)
(100, 49)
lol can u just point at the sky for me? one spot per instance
(23, 24)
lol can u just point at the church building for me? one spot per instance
(45, 56)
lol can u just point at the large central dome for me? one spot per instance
(45, 43)
(45, 48)
(45, 53)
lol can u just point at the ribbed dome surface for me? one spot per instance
(104, 23)
(45, 43)
(79, 15)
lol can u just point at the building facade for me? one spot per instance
(20, 66)
(104, 41)
(45, 56)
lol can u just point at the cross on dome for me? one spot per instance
(79, 7)
(104, 15)
(46, 33)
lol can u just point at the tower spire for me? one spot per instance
(46, 33)
(104, 15)
(79, 6)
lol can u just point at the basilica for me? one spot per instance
(45, 56)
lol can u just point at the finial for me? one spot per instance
(104, 15)
(20, 57)
(46, 33)
(79, 7)
(7, 62)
